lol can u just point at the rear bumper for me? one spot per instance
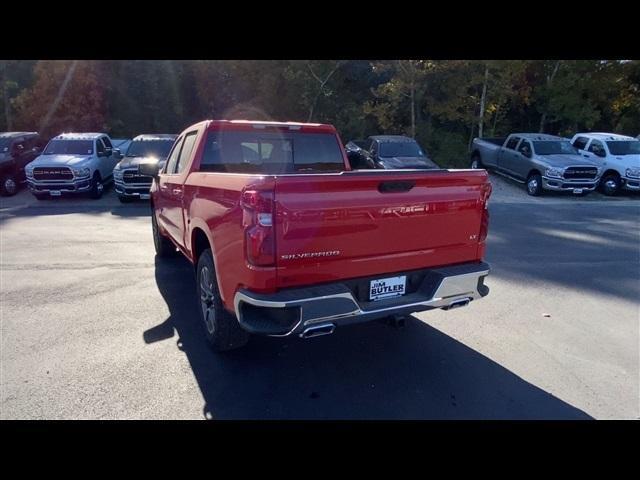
(563, 185)
(292, 311)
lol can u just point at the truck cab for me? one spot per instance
(617, 155)
(73, 163)
(17, 149)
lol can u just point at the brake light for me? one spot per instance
(257, 220)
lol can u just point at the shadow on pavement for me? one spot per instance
(368, 371)
(25, 205)
(592, 248)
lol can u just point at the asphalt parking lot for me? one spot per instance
(93, 327)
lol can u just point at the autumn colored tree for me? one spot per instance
(65, 96)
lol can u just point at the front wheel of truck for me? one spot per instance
(534, 184)
(97, 187)
(163, 246)
(221, 328)
(8, 185)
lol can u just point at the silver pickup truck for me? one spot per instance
(542, 162)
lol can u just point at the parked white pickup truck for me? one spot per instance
(73, 163)
(618, 155)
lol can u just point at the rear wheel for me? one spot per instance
(222, 330)
(610, 184)
(534, 184)
(8, 185)
(163, 246)
(476, 162)
(97, 187)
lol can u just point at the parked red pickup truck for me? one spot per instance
(286, 239)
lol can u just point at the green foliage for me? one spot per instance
(439, 100)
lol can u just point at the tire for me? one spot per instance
(8, 185)
(124, 199)
(164, 247)
(534, 185)
(222, 330)
(476, 162)
(97, 187)
(610, 184)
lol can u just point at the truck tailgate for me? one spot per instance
(332, 227)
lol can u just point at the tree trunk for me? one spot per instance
(413, 111)
(5, 100)
(550, 78)
(322, 84)
(495, 121)
(473, 128)
(482, 101)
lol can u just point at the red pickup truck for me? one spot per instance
(287, 239)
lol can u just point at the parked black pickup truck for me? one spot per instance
(388, 152)
(16, 150)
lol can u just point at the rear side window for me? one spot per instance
(513, 141)
(580, 143)
(173, 157)
(185, 153)
(271, 152)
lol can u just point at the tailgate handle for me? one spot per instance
(389, 187)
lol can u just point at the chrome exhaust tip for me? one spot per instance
(461, 302)
(317, 330)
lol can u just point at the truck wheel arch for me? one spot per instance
(611, 171)
(201, 241)
(533, 171)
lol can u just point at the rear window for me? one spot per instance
(271, 152)
(631, 147)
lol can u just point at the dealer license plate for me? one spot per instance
(55, 193)
(145, 196)
(577, 191)
(387, 287)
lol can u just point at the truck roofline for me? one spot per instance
(243, 125)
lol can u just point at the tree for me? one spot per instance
(65, 96)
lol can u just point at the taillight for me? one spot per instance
(257, 206)
(484, 223)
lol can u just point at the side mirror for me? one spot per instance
(150, 169)
(108, 151)
(117, 154)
